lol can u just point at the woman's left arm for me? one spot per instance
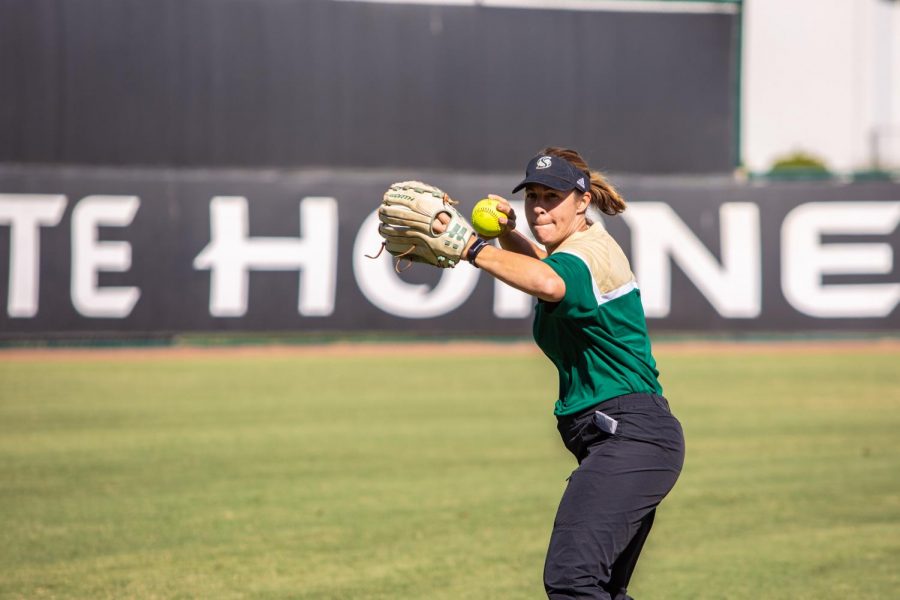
(524, 273)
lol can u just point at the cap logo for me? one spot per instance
(543, 162)
(580, 182)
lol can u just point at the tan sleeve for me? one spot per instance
(604, 258)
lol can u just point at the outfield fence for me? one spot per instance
(159, 252)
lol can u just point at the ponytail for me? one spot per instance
(604, 196)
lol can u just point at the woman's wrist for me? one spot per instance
(474, 249)
(469, 243)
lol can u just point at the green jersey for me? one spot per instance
(597, 334)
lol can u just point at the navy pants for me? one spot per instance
(608, 507)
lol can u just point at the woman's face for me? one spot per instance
(553, 215)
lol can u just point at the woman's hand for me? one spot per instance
(508, 220)
(440, 224)
(518, 268)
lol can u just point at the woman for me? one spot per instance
(610, 410)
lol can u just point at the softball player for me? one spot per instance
(610, 410)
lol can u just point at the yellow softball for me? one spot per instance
(486, 218)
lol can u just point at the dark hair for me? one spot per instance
(603, 195)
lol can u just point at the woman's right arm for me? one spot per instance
(518, 243)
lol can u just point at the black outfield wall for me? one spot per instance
(298, 83)
(149, 251)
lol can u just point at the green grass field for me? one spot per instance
(317, 477)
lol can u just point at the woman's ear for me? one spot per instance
(584, 202)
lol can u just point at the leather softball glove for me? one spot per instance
(408, 213)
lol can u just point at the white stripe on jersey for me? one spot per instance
(603, 298)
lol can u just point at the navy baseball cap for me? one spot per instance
(554, 172)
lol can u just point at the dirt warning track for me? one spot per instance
(454, 348)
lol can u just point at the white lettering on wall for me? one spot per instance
(231, 254)
(805, 259)
(658, 235)
(381, 285)
(660, 239)
(26, 214)
(90, 256)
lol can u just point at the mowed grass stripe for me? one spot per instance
(426, 477)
